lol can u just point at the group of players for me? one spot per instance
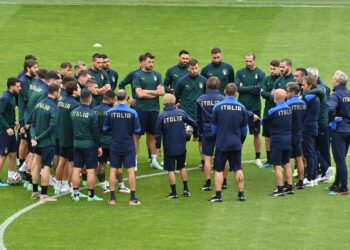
(72, 123)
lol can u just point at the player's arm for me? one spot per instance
(52, 126)
(214, 121)
(244, 126)
(240, 85)
(199, 119)
(136, 124)
(158, 132)
(265, 93)
(332, 104)
(167, 82)
(231, 74)
(178, 90)
(107, 122)
(3, 104)
(188, 119)
(95, 130)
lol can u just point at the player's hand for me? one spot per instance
(10, 132)
(273, 92)
(132, 102)
(22, 130)
(256, 117)
(195, 138)
(177, 105)
(34, 143)
(99, 152)
(17, 125)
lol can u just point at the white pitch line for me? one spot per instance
(13, 217)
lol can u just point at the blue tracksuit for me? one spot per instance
(309, 133)
(279, 120)
(205, 105)
(123, 122)
(339, 106)
(170, 126)
(229, 124)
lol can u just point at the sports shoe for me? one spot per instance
(295, 173)
(105, 191)
(214, 198)
(30, 187)
(35, 195)
(343, 191)
(289, 191)
(66, 189)
(299, 186)
(224, 186)
(58, 191)
(95, 198)
(186, 193)
(258, 163)
(25, 184)
(308, 183)
(75, 198)
(172, 196)
(3, 184)
(266, 165)
(156, 165)
(241, 197)
(333, 188)
(134, 202)
(124, 190)
(315, 182)
(45, 198)
(322, 178)
(206, 188)
(330, 174)
(52, 180)
(112, 202)
(83, 195)
(162, 163)
(276, 193)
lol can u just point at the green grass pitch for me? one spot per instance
(311, 33)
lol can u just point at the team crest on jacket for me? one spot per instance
(102, 78)
(155, 78)
(256, 76)
(201, 85)
(224, 72)
(113, 79)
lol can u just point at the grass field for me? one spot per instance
(313, 34)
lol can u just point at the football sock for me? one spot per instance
(173, 188)
(103, 185)
(218, 194)
(224, 182)
(30, 178)
(208, 182)
(91, 193)
(268, 156)
(10, 173)
(185, 185)
(154, 158)
(257, 155)
(35, 188)
(132, 195)
(240, 193)
(58, 185)
(113, 195)
(76, 191)
(149, 154)
(121, 185)
(102, 177)
(280, 189)
(202, 162)
(21, 162)
(44, 190)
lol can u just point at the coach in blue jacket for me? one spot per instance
(339, 111)
(229, 125)
(171, 127)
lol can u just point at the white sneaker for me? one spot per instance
(162, 163)
(330, 173)
(315, 182)
(66, 189)
(52, 181)
(308, 183)
(124, 190)
(258, 162)
(321, 178)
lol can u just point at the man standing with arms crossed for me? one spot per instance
(148, 87)
(249, 81)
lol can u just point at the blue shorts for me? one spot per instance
(148, 121)
(233, 157)
(279, 156)
(254, 126)
(47, 154)
(105, 155)
(85, 157)
(169, 162)
(208, 145)
(57, 147)
(28, 138)
(127, 159)
(266, 130)
(296, 150)
(8, 144)
(67, 153)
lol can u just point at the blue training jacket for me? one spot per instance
(229, 124)
(339, 106)
(310, 122)
(205, 105)
(298, 108)
(171, 127)
(279, 120)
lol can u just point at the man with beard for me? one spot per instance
(286, 74)
(112, 74)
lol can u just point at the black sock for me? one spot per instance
(21, 162)
(257, 155)
(35, 188)
(91, 193)
(202, 162)
(240, 193)
(185, 185)
(113, 195)
(290, 187)
(30, 179)
(149, 154)
(280, 189)
(224, 182)
(44, 190)
(268, 156)
(300, 182)
(101, 177)
(84, 177)
(76, 192)
(173, 189)
(285, 184)
(208, 182)
(218, 194)
(132, 195)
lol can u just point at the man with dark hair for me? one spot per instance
(280, 124)
(148, 86)
(299, 75)
(37, 90)
(205, 105)
(310, 129)
(66, 137)
(298, 108)
(123, 122)
(92, 86)
(174, 73)
(286, 74)
(8, 143)
(220, 69)
(66, 69)
(23, 72)
(86, 145)
(229, 125)
(43, 122)
(128, 80)
(269, 103)
(100, 76)
(249, 81)
(171, 128)
(79, 66)
(83, 77)
(112, 74)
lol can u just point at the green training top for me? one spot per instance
(85, 127)
(101, 77)
(266, 93)
(105, 136)
(249, 92)
(172, 75)
(148, 81)
(281, 82)
(7, 111)
(321, 93)
(44, 121)
(187, 91)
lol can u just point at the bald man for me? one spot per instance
(279, 120)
